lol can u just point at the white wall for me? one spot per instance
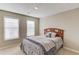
(69, 21)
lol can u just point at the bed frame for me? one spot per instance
(59, 32)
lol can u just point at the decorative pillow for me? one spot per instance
(50, 34)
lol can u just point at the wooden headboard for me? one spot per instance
(59, 32)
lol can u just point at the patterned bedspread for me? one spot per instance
(38, 45)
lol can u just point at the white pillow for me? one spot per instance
(53, 35)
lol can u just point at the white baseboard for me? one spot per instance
(75, 51)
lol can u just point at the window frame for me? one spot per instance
(15, 26)
(27, 28)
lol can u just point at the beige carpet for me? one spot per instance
(15, 50)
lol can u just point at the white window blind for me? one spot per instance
(30, 28)
(11, 28)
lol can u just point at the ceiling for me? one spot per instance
(44, 9)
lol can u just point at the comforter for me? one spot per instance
(38, 45)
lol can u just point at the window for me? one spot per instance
(30, 28)
(11, 28)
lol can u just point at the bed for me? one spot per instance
(49, 44)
